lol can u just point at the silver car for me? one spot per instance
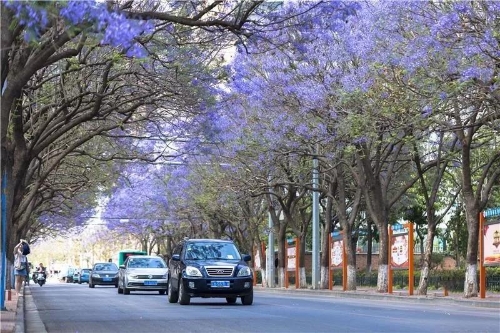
(143, 273)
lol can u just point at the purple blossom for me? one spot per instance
(426, 111)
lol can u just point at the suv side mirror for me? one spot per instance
(176, 257)
(247, 257)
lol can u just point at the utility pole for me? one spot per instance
(315, 226)
(270, 247)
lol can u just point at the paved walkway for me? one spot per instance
(21, 310)
(8, 317)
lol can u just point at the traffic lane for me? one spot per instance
(102, 309)
(352, 314)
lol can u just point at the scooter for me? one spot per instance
(39, 277)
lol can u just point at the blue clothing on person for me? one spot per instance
(22, 272)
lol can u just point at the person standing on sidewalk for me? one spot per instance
(20, 264)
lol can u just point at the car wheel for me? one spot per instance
(162, 292)
(120, 290)
(173, 296)
(79, 282)
(126, 291)
(184, 298)
(91, 285)
(248, 299)
(231, 300)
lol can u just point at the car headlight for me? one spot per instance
(193, 271)
(95, 275)
(245, 271)
(132, 276)
(165, 276)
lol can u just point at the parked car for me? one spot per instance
(141, 272)
(209, 268)
(82, 276)
(66, 274)
(104, 273)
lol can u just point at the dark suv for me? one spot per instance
(209, 268)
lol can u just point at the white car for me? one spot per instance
(143, 273)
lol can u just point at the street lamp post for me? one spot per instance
(315, 226)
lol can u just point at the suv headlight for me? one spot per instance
(245, 271)
(193, 271)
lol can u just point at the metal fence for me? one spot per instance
(436, 282)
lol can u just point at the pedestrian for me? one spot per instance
(20, 264)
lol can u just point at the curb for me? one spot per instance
(386, 297)
(32, 316)
(19, 327)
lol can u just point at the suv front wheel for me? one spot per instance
(173, 296)
(247, 300)
(184, 298)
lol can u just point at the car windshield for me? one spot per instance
(146, 263)
(220, 251)
(84, 271)
(105, 267)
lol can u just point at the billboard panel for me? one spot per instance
(491, 241)
(399, 251)
(336, 253)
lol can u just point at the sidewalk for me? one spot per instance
(12, 318)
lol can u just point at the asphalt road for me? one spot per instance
(69, 308)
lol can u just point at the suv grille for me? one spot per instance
(219, 271)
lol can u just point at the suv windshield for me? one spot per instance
(207, 250)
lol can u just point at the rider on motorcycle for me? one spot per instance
(40, 269)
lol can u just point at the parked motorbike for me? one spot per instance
(39, 277)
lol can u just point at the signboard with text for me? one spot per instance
(336, 253)
(491, 241)
(291, 256)
(399, 251)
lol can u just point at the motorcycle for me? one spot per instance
(39, 277)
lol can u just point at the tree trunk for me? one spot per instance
(325, 276)
(302, 277)
(281, 277)
(382, 278)
(351, 277)
(470, 285)
(426, 262)
(369, 241)
(281, 256)
(302, 261)
(325, 251)
(263, 275)
(350, 248)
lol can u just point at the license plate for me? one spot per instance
(106, 279)
(150, 283)
(220, 284)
